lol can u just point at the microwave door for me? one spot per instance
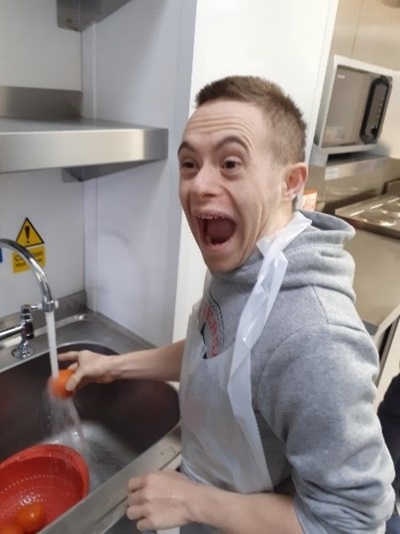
(346, 108)
(375, 110)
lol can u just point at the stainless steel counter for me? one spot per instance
(377, 279)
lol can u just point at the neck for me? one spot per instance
(281, 218)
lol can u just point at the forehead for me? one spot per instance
(220, 118)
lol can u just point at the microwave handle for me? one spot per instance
(375, 109)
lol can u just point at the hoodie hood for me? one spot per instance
(315, 257)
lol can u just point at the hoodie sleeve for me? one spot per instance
(316, 393)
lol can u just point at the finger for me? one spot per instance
(134, 512)
(135, 483)
(143, 526)
(74, 381)
(68, 356)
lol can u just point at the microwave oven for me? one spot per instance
(354, 101)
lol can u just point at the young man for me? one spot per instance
(277, 370)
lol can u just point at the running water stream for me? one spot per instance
(66, 427)
(64, 413)
(51, 335)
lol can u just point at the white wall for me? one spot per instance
(34, 52)
(136, 67)
(286, 41)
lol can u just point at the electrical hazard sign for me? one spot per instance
(29, 238)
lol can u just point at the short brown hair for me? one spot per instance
(282, 114)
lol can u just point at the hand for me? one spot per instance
(160, 500)
(88, 367)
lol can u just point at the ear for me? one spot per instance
(295, 179)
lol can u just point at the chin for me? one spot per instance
(220, 265)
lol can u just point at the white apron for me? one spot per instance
(221, 444)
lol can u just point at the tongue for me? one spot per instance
(220, 230)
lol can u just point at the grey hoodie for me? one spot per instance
(313, 372)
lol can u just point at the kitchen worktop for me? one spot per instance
(377, 279)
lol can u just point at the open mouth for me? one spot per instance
(216, 230)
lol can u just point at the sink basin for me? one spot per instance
(116, 422)
(124, 429)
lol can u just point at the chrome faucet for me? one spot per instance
(47, 305)
(26, 329)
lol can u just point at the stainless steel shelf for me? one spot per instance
(85, 148)
(43, 129)
(343, 165)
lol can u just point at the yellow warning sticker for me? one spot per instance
(28, 235)
(19, 264)
(30, 238)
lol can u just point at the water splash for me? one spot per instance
(64, 424)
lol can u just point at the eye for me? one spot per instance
(231, 164)
(187, 164)
(188, 167)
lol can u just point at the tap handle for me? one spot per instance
(48, 306)
(27, 322)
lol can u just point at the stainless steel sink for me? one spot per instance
(119, 421)
(128, 427)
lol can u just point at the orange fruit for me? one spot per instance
(57, 384)
(31, 517)
(11, 528)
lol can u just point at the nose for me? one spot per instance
(206, 181)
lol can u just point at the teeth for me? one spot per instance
(210, 217)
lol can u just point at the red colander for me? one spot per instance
(54, 475)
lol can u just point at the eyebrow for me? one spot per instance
(187, 145)
(225, 141)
